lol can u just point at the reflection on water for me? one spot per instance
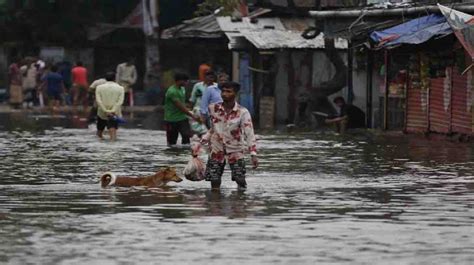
(317, 198)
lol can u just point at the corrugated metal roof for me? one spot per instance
(281, 39)
(200, 27)
(227, 25)
(273, 33)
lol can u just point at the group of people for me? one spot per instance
(35, 83)
(228, 126)
(25, 76)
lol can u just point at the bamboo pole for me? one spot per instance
(469, 8)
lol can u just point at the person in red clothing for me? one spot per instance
(203, 69)
(80, 85)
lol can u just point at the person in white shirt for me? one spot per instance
(126, 76)
(92, 88)
(109, 98)
(29, 75)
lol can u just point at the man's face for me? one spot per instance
(340, 104)
(182, 82)
(228, 94)
(210, 79)
(222, 80)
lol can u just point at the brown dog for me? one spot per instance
(160, 178)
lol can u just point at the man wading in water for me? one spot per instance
(229, 121)
(109, 97)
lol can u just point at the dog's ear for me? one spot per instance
(105, 180)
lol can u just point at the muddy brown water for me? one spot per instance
(318, 198)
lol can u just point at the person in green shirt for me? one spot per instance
(176, 120)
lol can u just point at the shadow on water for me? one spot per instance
(175, 204)
(316, 198)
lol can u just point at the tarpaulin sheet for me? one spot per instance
(463, 25)
(415, 31)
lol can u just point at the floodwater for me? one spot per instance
(317, 198)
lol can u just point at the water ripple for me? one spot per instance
(317, 198)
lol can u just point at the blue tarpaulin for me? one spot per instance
(415, 31)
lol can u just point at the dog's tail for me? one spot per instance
(107, 179)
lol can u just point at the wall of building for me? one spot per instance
(187, 54)
(3, 68)
(300, 73)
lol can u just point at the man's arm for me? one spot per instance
(207, 136)
(247, 127)
(338, 119)
(183, 109)
(100, 103)
(93, 86)
(118, 73)
(119, 101)
(98, 99)
(134, 76)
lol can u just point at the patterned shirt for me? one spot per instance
(229, 132)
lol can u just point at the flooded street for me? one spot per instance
(317, 198)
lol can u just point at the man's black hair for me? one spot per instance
(110, 76)
(79, 63)
(231, 84)
(211, 73)
(181, 77)
(54, 68)
(339, 99)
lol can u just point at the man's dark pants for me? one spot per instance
(102, 124)
(175, 128)
(215, 170)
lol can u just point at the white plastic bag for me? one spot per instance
(196, 168)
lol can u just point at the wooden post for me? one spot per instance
(405, 98)
(350, 65)
(386, 94)
(235, 66)
(370, 61)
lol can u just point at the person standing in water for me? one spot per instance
(109, 98)
(230, 135)
(176, 113)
